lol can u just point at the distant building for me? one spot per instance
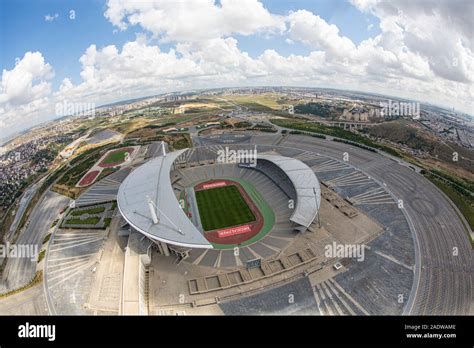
(208, 124)
(355, 114)
(168, 130)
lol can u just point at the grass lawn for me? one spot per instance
(107, 222)
(89, 221)
(222, 207)
(73, 175)
(91, 211)
(263, 102)
(47, 238)
(41, 255)
(115, 157)
(305, 126)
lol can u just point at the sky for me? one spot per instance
(99, 51)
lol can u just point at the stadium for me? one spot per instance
(242, 224)
(190, 200)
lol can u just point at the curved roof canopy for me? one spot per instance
(148, 191)
(306, 184)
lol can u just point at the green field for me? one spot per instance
(306, 126)
(91, 211)
(94, 220)
(222, 207)
(79, 166)
(115, 157)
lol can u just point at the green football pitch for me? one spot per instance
(115, 157)
(222, 207)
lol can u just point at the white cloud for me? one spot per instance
(423, 52)
(24, 90)
(110, 73)
(18, 85)
(194, 20)
(423, 44)
(314, 31)
(441, 32)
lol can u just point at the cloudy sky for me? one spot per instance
(94, 51)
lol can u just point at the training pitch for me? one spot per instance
(116, 157)
(222, 207)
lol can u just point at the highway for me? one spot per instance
(28, 302)
(19, 271)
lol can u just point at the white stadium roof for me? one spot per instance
(152, 181)
(306, 185)
(147, 191)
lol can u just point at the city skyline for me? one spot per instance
(419, 51)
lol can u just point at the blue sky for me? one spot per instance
(412, 49)
(350, 21)
(63, 40)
